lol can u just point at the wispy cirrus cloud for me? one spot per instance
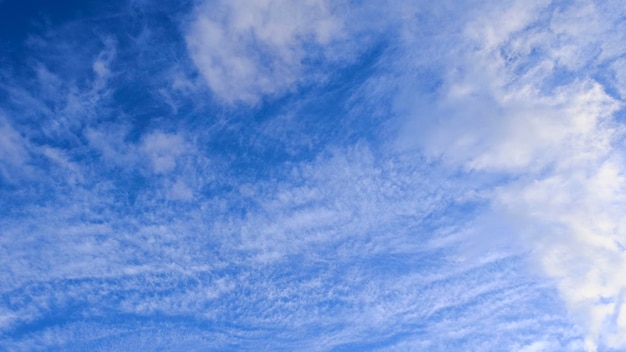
(14, 155)
(281, 274)
(170, 218)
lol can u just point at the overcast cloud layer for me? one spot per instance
(313, 175)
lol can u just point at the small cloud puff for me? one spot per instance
(159, 150)
(248, 49)
(163, 150)
(180, 190)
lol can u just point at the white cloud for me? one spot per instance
(70, 171)
(158, 152)
(524, 129)
(619, 69)
(102, 66)
(111, 142)
(576, 227)
(14, 153)
(7, 318)
(163, 150)
(334, 200)
(502, 109)
(179, 190)
(248, 49)
(59, 108)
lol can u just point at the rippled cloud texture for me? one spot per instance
(313, 175)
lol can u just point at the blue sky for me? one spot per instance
(317, 175)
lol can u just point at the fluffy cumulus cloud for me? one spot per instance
(246, 50)
(314, 175)
(526, 101)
